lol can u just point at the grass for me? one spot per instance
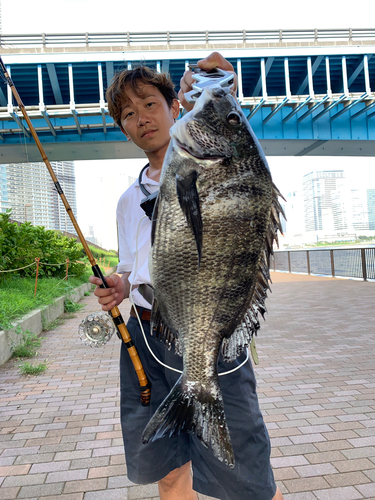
(27, 368)
(28, 346)
(72, 307)
(17, 295)
(54, 324)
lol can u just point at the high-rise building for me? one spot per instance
(359, 211)
(371, 208)
(317, 193)
(28, 190)
(294, 213)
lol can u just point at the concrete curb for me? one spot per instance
(36, 320)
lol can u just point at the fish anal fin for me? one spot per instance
(161, 330)
(188, 198)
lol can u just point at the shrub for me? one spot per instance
(21, 244)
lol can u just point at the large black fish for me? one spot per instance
(215, 222)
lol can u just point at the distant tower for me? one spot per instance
(28, 190)
(317, 190)
(371, 208)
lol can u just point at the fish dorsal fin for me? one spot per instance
(233, 346)
(188, 198)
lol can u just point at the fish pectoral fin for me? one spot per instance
(196, 412)
(188, 198)
(154, 219)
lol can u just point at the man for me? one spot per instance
(143, 103)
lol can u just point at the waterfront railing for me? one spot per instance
(339, 262)
(169, 38)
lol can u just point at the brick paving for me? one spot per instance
(60, 433)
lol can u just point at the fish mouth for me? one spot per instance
(198, 155)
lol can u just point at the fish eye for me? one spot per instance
(233, 118)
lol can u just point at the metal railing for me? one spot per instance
(45, 40)
(340, 262)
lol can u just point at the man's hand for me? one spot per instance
(112, 296)
(214, 60)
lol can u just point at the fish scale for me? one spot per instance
(212, 233)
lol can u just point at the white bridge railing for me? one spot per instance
(349, 35)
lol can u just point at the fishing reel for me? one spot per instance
(96, 329)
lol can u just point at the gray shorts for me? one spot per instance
(251, 477)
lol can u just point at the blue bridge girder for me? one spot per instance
(301, 99)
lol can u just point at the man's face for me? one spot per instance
(147, 118)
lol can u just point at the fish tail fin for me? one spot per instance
(193, 409)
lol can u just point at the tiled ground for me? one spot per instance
(60, 435)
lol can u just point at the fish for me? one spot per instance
(215, 221)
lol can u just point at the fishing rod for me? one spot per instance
(122, 331)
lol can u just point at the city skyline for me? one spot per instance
(287, 173)
(329, 207)
(96, 186)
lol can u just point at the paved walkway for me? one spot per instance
(60, 435)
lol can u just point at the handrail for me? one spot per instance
(352, 262)
(348, 35)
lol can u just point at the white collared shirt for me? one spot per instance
(134, 236)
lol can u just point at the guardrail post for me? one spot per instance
(364, 269)
(308, 261)
(332, 264)
(44, 39)
(289, 266)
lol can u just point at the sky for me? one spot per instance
(78, 16)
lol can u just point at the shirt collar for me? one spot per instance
(146, 180)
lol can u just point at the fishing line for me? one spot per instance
(140, 322)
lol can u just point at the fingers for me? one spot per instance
(107, 297)
(214, 60)
(181, 97)
(110, 281)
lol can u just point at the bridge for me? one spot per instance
(306, 92)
